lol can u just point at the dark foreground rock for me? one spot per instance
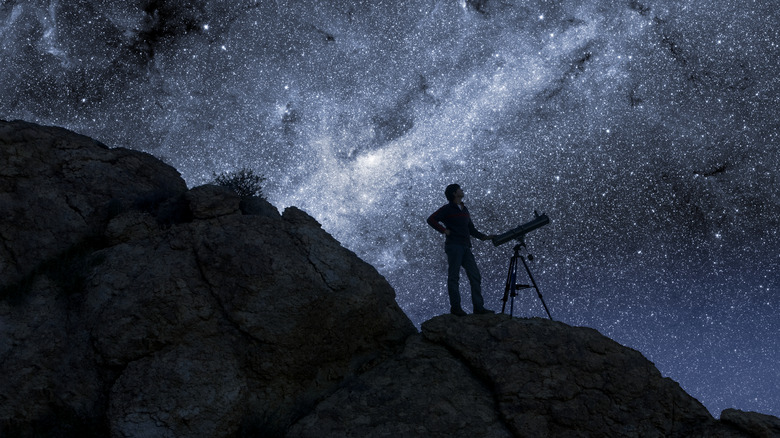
(495, 376)
(131, 306)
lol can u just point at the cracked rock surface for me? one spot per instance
(57, 189)
(496, 376)
(153, 310)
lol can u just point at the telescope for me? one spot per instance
(519, 233)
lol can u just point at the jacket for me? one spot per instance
(458, 221)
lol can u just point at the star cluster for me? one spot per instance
(646, 130)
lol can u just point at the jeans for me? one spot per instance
(457, 256)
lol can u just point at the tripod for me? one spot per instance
(510, 291)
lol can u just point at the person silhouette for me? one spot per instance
(454, 221)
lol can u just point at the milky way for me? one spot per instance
(646, 130)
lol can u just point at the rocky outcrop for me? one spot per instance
(131, 306)
(426, 391)
(57, 189)
(496, 376)
(752, 423)
(550, 379)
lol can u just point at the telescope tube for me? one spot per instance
(517, 233)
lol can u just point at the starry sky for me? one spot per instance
(647, 130)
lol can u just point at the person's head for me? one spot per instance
(451, 191)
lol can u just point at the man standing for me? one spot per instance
(454, 221)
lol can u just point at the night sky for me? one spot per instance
(646, 130)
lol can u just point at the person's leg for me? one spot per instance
(454, 262)
(475, 280)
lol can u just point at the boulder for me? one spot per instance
(187, 318)
(550, 379)
(209, 201)
(58, 189)
(425, 392)
(752, 423)
(496, 376)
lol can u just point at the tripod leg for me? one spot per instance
(512, 305)
(544, 304)
(538, 293)
(513, 288)
(510, 279)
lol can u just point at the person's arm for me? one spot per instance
(475, 233)
(433, 221)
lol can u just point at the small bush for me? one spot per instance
(245, 182)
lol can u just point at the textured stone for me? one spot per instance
(423, 392)
(753, 423)
(58, 189)
(551, 379)
(190, 390)
(210, 201)
(259, 207)
(187, 318)
(491, 375)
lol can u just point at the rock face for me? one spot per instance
(131, 306)
(495, 376)
(57, 189)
